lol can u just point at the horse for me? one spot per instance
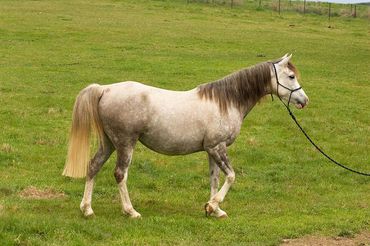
(207, 118)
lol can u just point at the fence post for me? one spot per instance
(304, 7)
(279, 7)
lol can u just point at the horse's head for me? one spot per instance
(285, 84)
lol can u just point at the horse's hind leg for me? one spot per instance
(124, 156)
(101, 156)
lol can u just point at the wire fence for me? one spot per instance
(303, 7)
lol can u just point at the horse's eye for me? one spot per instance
(291, 76)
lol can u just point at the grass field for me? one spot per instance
(50, 50)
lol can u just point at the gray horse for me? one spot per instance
(206, 118)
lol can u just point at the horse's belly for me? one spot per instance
(172, 144)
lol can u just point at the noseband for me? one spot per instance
(279, 84)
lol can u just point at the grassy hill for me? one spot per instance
(50, 50)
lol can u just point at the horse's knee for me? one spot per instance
(119, 175)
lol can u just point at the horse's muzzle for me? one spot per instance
(301, 104)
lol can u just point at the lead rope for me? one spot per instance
(319, 149)
(305, 133)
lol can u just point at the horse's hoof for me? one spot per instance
(209, 209)
(135, 215)
(224, 216)
(220, 214)
(89, 216)
(132, 213)
(89, 213)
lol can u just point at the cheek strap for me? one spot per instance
(279, 84)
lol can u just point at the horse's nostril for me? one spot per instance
(303, 101)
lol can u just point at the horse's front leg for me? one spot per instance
(218, 156)
(214, 172)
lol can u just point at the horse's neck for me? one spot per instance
(250, 104)
(244, 111)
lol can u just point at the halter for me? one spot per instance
(277, 88)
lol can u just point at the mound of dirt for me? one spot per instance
(362, 239)
(32, 192)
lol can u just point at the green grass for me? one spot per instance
(50, 50)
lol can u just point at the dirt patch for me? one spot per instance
(6, 148)
(362, 239)
(32, 192)
(48, 142)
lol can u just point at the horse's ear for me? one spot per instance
(285, 56)
(284, 61)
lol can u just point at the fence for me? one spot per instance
(303, 7)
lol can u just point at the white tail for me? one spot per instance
(85, 118)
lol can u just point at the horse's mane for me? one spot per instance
(240, 89)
